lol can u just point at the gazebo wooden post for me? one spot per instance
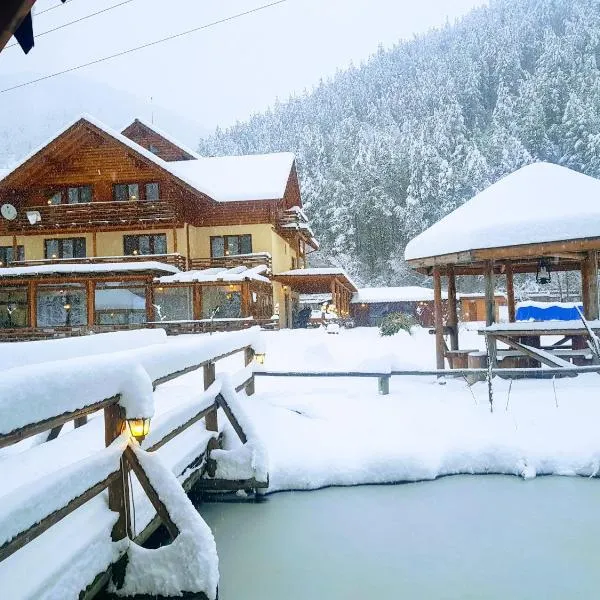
(589, 285)
(452, 312)
(490, 309)
(438, 318)
(510, 292)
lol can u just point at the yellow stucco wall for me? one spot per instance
(282, 253)
(200, 238)
(107, 243)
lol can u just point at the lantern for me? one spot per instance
(543, 272)
(259, 357)
(139, 428)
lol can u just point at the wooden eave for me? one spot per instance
(314, 284)
(565, 255)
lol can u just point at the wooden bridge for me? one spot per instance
(69, 496)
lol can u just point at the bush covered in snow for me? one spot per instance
(395, 322)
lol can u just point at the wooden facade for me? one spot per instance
(69, 190)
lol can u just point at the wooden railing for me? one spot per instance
(117, 481)
(236, 260)
(93, 214)
(173, 259)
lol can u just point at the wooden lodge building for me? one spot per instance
(101, 229)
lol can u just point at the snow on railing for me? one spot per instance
(48, 395)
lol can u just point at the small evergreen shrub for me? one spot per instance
(395, 322)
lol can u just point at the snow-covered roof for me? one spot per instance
(164, 135)
(538, 203)
(69, 268)
(218, 274)
(411, 293)
(237, 178)
(224, 179)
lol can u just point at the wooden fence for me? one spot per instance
(117, 482)
(472, 375)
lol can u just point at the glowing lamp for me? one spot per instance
(259, 357)
(139, 428)
(135, 252)
(67, 307)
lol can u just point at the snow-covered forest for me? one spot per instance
(387, 148)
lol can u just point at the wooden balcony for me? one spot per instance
(93, 215)
(175, 260)
(236, 260)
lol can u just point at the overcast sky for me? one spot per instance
(224, 73)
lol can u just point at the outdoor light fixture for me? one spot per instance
(259, 357)
(135, 252)
(139, 428)
(543, 272)
(67, 306)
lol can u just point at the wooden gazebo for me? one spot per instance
(541, 217)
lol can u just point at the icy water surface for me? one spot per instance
(480, 537)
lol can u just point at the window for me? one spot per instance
(63, 305)
(124, 192)
(13, 307)
(221, 302)
(79, 195)
(173, 303)
(65, 248)
(7, 254)
(120, 304)
(230, 245)
(145, 244)
(151, 191)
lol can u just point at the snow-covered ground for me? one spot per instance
(318, 432)
(322, 432)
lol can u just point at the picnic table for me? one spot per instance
(524, 340)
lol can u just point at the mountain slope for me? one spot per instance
(388, 148)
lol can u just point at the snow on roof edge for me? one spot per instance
(165, 135)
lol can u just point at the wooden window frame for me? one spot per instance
(64, 194)
(151, 243)
(60, 247)
(226, 244)
(142, 190)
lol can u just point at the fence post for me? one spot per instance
(209, 377)
(248, 358)
(118, 490)
(384, 385)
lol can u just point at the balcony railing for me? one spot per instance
(175, 260)
(91, 215)
(235, 260)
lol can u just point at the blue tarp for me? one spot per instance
(550, 312)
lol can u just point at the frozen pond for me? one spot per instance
(480, 537)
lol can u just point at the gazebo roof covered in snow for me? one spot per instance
(540, 210)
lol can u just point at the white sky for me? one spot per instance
(225, 73)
